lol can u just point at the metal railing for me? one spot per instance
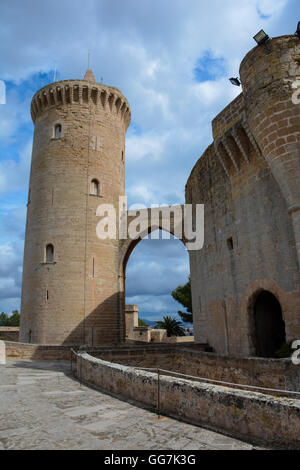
(270, 391)
(73, 354)
(159, 372)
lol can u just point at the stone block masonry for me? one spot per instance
(71, 286)
(37, 351)
(249, 415)
(9, 333)
(249, 181)
(42, 407)
(271, 373)
(245, 281)
(2, 353)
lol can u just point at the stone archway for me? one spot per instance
(269, 326)
(127, 246)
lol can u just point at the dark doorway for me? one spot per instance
(269, 325)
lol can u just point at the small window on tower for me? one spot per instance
(95, 187)
(49, 253)
(230, 243)
(57, 131)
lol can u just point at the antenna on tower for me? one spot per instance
(54, 77)
(89, 57)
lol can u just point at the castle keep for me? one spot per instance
(70, 279)
(245, 281)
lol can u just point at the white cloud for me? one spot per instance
(210, 93)
(270, 7)
(149, 50)
(140, 193)
(154, 307)
(10, 275)
(148, 145)
(9, 259)
(14, 174)
(13, 114)
(156, 267)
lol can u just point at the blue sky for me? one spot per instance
(172, 60)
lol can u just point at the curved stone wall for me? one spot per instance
(249, 415)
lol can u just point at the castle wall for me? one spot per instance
(274, 118)
(249, 246)
(248, 180)
(9, 333)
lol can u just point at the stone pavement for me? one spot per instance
(43, 407)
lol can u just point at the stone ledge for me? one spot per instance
(253, 416)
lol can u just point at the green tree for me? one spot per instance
(3, 319)
(183, 295)
(142, 322)
(172, 326)
(12, 320)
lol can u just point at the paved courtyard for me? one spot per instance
(43, 407)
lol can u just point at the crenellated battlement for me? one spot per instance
(81, 92)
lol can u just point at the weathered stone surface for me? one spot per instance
(272, 373)
(158, 335)
(52, 411)
(75, 297)
(2, 353)
(279, 374)
(37, 351)
(271, 421)
(9, 333)
(249, 181)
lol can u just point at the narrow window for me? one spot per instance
(85, 94)
(57, 131)
(76, 93)
(122, 158)
(49, 253)
(47, 295)
(230, 244)
(95, 187)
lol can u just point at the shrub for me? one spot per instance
(285, 350)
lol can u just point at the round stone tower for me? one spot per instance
(70, 292)
(269, 77)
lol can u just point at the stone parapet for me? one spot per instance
(81, 92)
(263, 419)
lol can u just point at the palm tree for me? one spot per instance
(172, 326)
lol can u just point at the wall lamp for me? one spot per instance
(262, 39)
(298, 30)
(235, 81)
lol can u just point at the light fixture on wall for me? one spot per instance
(235, 81)
(262, 39)
(298, 30)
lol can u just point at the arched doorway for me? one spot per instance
(269, 325)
